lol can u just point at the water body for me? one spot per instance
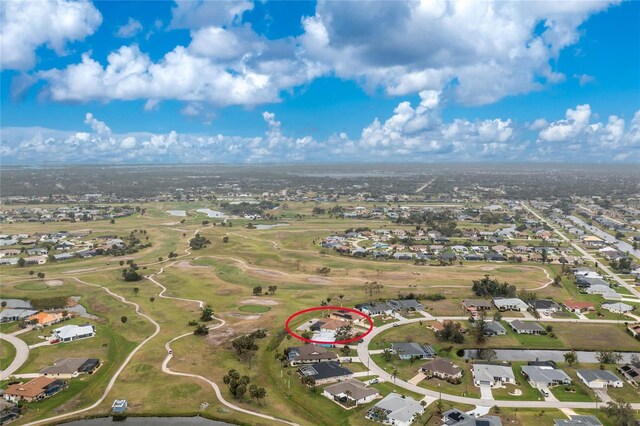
(544, 355)
(149, 421)
(181, 213)
(623, 246)
(212, 213)
(270, 226)
(17, 303)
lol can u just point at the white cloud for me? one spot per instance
(195, 14)
(26, 25)
(410, 134)
(488, 49)
(562, 130)
(584, 79)
(130, 29)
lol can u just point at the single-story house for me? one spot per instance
(407, 350)
(634, 329)
(492, 375)
(545, 305)
(578, 420)
(476, 304)
(578, 307)
(69, 333)
(350, 393)
(325, 372)
(460, 418)
(441, 368)
(13, 314)
(45, 318)
(617, 307)
(395, 409)
(34, 390)
(544, 377)
(494, 328)
(63, 256)
(67, 368)
(630, 372)
(510, 304)
(527, 327)
(599, 379)
(308, 354)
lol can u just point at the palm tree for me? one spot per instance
(394, 374)
(340, 296)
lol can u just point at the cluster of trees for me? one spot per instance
(207, 313)
(451, 332)
(239, 385)
(422, 296)
(491, 287)
(257, 290)
(324, 270)
(198, 242)
(245, 346)
(623, 264)
(372, 287)
(344, 333)
(49, 303)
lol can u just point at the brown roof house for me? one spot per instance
(34, 390)
(441, 368)
(350, 393)
(309, 354)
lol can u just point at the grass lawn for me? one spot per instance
(7, 354)
(466, 388)
(32, 285)
(577, 391)
(256, 309)
(528, 392)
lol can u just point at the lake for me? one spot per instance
(212, 213)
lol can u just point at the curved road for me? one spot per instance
(169, 356)
(363, 354)
(122, 367)
(22, 353)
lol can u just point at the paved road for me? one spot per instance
(22, 353)
(363, 353)
(584, 253)
(623, 246)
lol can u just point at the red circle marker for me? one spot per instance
(329, 308)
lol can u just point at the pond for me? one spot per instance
(270, 226)
(212, 213)
(181, 213)
(149, 421)
(544, 355)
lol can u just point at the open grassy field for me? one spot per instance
(7, 354)
(223, 275)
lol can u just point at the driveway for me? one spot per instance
(22, 353)
(417, 378)
(485, 392)
(603, 395)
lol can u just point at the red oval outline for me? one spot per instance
(331, 308)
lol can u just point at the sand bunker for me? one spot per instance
(171, 223)
(268, 273)
(319, 280)
(183, 264)
(487, 268)
(256, 301)
(75, 271)
(244, 317)
(54, 283)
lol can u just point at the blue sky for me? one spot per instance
(238, 81)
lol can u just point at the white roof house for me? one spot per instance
(69, 333)
(543, 377)
(399, 410)
(617, 307)
(510, 304)
(599, 379)
(492, 375)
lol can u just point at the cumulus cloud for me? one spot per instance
(195, 14)
(577, 135)
(409, 134)
(26, 25)
(487, 50)
(130, 29)
(476, 52)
